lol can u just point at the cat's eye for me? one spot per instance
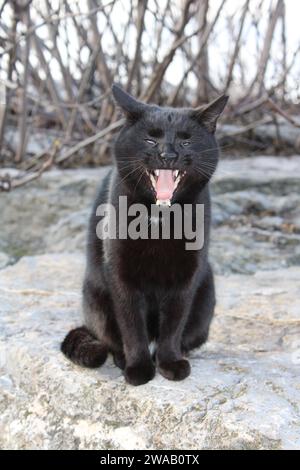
(186, 143)
(151, 142)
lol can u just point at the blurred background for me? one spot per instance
(58, 59)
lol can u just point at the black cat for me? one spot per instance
(138, 290)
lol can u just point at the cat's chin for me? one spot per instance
(164, 184)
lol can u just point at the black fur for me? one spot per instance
(136, 291)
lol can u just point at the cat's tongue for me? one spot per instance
(165, 185)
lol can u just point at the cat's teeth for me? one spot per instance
(153, 180)
(157, 172)
(177, 177)
(165, 202)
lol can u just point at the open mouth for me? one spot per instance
(164, 183)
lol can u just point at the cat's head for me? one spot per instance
(162, 153)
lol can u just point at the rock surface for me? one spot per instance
(244, 390)
(243, 393)
(4, 260)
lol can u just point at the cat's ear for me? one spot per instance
(132, 108)
(208, 115)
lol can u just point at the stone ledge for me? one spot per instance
(243, 393)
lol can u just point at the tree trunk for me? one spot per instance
(203, 63)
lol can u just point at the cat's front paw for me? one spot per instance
(140, 373)
(175, 370)
(119, 360)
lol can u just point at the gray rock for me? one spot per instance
(267, 133)
(243, 392)
(37, 141)
(29, 213)
(4, 260)
(270, 175)
(288, 134)
(69, 233)
(237, 203)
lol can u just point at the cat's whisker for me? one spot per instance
(216, 169)
(128, 174)
(214, 149)
(142, 174)
(131, 164)
(129, 161)
(203, 172)
(209, 170)
(221, 147)
(128, 166)
(208, 164)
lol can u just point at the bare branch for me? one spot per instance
(265, 54)
(237, 46)
(282, 113)
(142, 7)
(90, 140)
(23, 115)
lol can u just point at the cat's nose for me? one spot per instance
(168, 155)
(168, 152)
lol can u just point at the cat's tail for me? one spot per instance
(83, 348)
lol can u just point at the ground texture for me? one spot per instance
(244, 390)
